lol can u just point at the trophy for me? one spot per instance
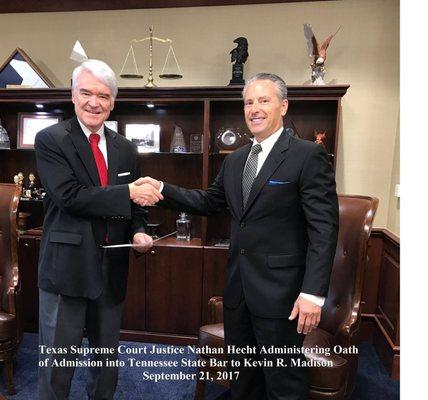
(229, 139)
(239, 55)
(178, 145)
(4, 138)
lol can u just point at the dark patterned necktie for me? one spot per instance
(250, 172)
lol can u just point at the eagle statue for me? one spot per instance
(240, 53)
(319, 53)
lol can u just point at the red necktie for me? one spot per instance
(94, 139)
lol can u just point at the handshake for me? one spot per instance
(145, 191)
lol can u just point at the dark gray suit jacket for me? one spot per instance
(284, 241)
(79, 213)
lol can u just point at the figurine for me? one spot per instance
(32, 181)
(31, 189)
(320, 137)
(318, 52)
(20, 178)
(16, 179)
(239, 55)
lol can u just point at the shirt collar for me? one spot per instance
(269, 142)
(87, 131)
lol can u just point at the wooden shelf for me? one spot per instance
(168, 287)
(173, 242)
(143, 95)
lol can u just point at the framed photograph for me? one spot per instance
(29, 124)
(145, 136)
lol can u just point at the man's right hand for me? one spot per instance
(151, 181)
(144, 194)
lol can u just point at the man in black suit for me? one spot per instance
(281, 194)
(88, 172)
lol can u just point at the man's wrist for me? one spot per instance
(318, 300)
(131, 187)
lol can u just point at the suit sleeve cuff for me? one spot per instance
(318, 300)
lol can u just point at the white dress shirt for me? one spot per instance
(102, 144)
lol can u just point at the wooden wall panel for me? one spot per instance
(372, 275)
(381, 299)
(389, 292)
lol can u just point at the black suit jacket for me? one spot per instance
(284, 241)
(79, 213)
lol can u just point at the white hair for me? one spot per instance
(100, 70)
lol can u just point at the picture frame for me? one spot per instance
(29, 124)
(19, 71)
(145, 136)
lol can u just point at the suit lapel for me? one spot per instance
(84, 151)
(273, 161)
(112, 155)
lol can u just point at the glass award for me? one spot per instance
(178, 145)
(4, 138)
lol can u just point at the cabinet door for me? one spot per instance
(174, 290)
(28, 255)
(215, 260)
(134, 310)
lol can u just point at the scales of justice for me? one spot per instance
(135, 74)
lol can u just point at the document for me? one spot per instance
(118, 246)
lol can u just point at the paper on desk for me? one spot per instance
(118, 246)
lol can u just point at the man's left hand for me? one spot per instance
(144, 242)
(309, 315)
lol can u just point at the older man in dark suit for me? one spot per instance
(281, 194)
(88, 172)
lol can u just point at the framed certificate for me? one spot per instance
(29, 124)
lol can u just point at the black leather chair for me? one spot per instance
(341, 314)
(10, 326)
